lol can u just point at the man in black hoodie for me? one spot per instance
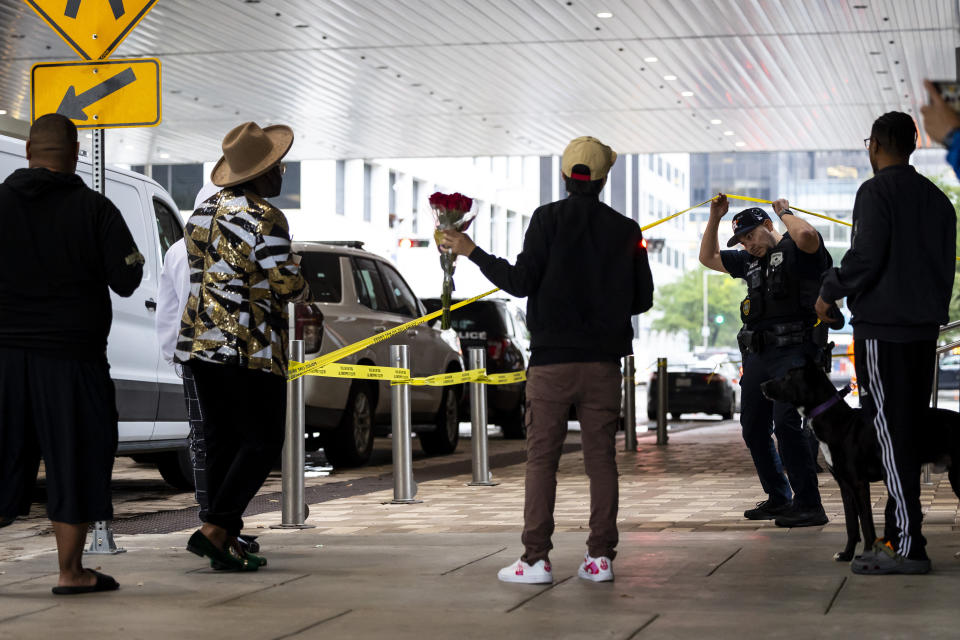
(897, 277)
(63, 246)
(585, 272)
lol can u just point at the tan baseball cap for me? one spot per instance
(591, 153)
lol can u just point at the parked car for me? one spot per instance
(361, 294)
(501, 329)
(699, 386)
(949, 371)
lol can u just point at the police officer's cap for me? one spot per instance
(745, 222)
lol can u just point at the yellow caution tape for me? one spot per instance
(297, 369)
(818, 215)
(463, 377)
(653, 224)
(396, 375)
(356, 371)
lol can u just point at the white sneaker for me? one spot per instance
(596, 569)
(538, 573)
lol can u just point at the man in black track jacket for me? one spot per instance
(897, 277)
(585, 272)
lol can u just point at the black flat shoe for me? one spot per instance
(103, 583)
(227, 559)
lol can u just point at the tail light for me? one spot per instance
(497, 348)
(309, 324)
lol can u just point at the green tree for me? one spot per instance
(953, 193)
(681, 303)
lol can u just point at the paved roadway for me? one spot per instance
(689, 567)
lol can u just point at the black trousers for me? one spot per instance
(65, 411)
(895, 379)
(243, 419)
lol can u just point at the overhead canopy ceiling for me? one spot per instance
(408, 78)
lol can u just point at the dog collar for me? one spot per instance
(829, 403)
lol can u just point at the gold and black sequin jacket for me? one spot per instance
(242, 276)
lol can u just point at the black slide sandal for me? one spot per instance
(104, 583)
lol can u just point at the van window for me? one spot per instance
(322, 271)
(369, 285)
(169, 228)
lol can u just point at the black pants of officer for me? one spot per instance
(895, 380)
(761, 419)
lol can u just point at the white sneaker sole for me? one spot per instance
(604, 576)
(524, 579)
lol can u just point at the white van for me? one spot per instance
(153, 419)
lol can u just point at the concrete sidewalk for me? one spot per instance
(689, 567)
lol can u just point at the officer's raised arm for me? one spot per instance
(804, 235)
(709, 243)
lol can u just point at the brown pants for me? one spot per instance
(594, 389)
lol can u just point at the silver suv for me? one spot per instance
(362, 294)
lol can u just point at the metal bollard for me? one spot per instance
(478, 423)
(404, 487)
(662, 389)
(629, 405)
(293, 459)
(101, 542)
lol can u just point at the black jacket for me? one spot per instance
(61, 245)
(585, 273)
(897, 275)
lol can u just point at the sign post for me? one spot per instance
(96, 95)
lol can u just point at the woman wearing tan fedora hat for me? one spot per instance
(233, 332)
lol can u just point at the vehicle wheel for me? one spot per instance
(176, 469)
(728, 414)
(444, 438)
(351, 443)
(674, 415)
(514, 426)
(651, 415)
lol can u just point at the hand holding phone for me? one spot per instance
(941, 116)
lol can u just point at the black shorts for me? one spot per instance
(65, 411)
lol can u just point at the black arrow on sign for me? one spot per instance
(73, 105)
(73, 7)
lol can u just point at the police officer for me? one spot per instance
(783, 278)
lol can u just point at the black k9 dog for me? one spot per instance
(854, 453)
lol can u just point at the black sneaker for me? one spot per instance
(767, 510)
(802, 517)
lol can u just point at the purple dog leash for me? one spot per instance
(822, 408)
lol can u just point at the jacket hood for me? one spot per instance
(33, 183)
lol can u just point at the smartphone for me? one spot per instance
(949, 90)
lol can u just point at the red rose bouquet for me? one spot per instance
(450, 211)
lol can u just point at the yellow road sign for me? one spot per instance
(94, 28)
(98, 95)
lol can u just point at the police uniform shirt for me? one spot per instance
(808, 266)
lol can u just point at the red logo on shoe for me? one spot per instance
(546, 567)
(603, 564)
(519, 569)
(592, 568)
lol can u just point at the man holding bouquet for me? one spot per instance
(584, 271)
